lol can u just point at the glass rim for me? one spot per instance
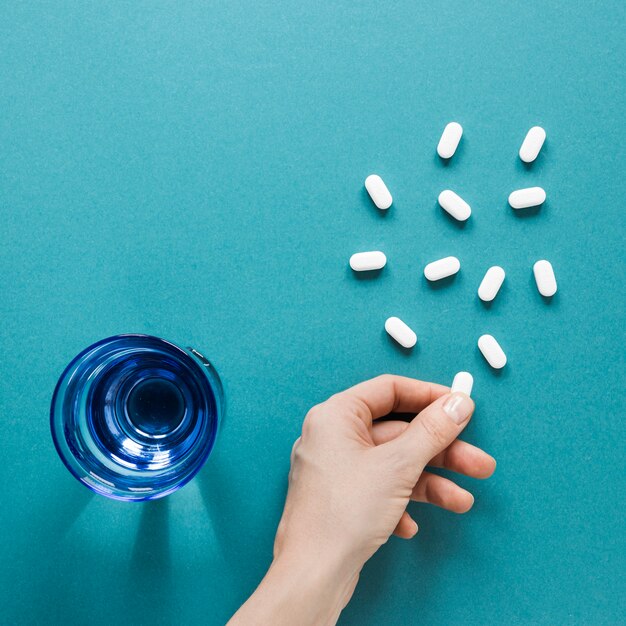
(190, 354)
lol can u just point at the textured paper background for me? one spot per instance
(194, 170)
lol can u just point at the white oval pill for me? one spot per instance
(400, 332)
(524, 198)
(368, 261)
(454, 205)
(492, 351)
(491, 283)
(442, 268)
(532, 144)
(544, 277)
(449, 141)
(378, 191)
(464, 382)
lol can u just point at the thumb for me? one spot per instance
(434, 429)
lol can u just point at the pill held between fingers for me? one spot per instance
(454, 205)
(464, 382)
(524, 198)
(449, 141)
(400, 332)
(378, 191)
(492, 351)
(491, 283)
(532, 144)
(368, 261)
(442, 268)
(544, 277)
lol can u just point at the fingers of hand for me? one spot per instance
(459, 456)
(382, 432)
(387, 393)
(464, 458)
(406, 527)
(442, 492)
(433, 430)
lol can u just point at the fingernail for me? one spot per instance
(458, 407)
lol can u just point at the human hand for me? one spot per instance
(351, 480)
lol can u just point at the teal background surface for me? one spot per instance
(195, 171)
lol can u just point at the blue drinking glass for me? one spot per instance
(135, 417)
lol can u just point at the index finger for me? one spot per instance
(388, 394)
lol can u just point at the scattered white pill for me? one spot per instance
(464, 382)
(368, 261)
(400, 332)
(492, 351)
(378, 191)
(454, 205)
(449, 141)
(524, 198)
(532, 144)
(442, 268)
(491, 283)
(544, 277)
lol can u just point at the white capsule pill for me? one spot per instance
(492, 351)
(400, 332)
(544, 277)
(449, 141)
(491, 283)
(442, 268)
(368, 261)
(524, 198)
(454, 205)
(378, 191)
(532, 144)
(464, 382)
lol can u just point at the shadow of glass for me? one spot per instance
(149, 584)
(67, 507)
(62, 509)
(233, 542)
(221, 503)
(151, 549)
(52, 519)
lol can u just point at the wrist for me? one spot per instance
(300, 590)
(317, 588)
